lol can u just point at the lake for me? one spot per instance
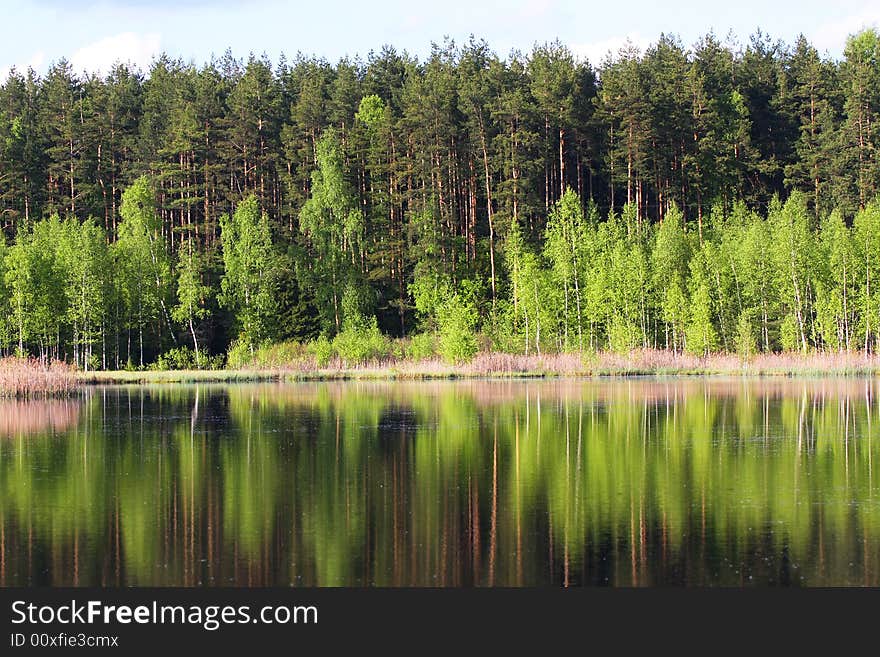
(620, 482)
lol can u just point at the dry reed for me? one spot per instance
(29, 377)
(640, 362)
(637, 362)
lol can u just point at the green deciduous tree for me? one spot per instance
(333, 226)
(457, 322)
(793, 257)
(866, 246)
(192, 292)
(142, 264)
(250, 272)
(84, 259)
(564, 247)
(701, 337)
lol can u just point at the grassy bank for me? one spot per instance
(180, 376)
(500, 365)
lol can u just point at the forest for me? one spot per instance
(707, 198)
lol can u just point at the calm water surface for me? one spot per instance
(620, 482)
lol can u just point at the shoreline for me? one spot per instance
(508, 366)
(31, 378)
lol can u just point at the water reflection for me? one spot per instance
(621, 482)
(21, 417)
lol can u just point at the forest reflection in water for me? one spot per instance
(693, 481)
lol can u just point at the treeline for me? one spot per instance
(529, 203)
(745, 283)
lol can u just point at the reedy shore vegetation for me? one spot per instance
(679, 210)
(23, 377)
(648, 362)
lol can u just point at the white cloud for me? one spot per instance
(832, 36)
(596, 51)
(128, 47)
(35, 62)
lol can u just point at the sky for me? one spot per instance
(93, 34)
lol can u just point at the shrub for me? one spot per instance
(268, 355)
(396, 348)
(429, 289)
(360, 342)
(93, 363)
(184, 358)
(457, 320)
(239, 354)
(179, 358)
(422, 346)
(322, 349)
(216, 362)
(279, 354)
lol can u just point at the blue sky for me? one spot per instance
(93, 34)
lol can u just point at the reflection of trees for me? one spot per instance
(619, 481)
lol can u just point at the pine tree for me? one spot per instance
(861, 77)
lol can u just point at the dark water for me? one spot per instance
(622, 482)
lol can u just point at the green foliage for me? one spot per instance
(6, 328)
(358, 344)
(323, 350)
(84, 258)
(622, 336)
(866, 246)
(360, 339)
(793, 256)
(500, 329)
(371, 110)
(457, 321)
(333, 226)
(179, 358)
(250, 274)
(566, 247)
(141, 261)
(669, 265)
(36, 285)
(675, 309)
(429, 290)
(239, 355)
(267, 356)
(531, 286)
(700, 335)
(422, 346)
(789, 333)
(746, 343)
(192, 294)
